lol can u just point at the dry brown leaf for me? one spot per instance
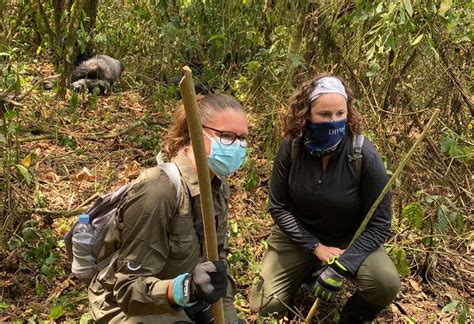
(51, 176)
(7, 283)
(132, 170)
(59, 289)
(84, 175)
(415, 285)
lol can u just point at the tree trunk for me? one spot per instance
(70, 50)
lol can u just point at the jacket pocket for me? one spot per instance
(181, 237)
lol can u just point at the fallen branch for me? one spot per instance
(35, 138)
(67, 213)
(114, 134)
(58, 213)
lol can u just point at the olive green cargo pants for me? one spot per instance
(285, 265)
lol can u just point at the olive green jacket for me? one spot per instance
(157, 240)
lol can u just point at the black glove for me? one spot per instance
(200, 313)
(207, 283)
(330, 281)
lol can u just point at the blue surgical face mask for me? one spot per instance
(323, 138)
(225, 159)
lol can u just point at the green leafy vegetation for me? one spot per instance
(58, 148)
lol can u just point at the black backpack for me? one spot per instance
(356, 157)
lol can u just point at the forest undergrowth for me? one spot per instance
(59, 151)
(106, 141)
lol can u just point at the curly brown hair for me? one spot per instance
(299, 109)
(177, 135)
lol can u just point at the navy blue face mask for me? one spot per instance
(321, 139)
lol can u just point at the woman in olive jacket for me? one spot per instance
(161, 274)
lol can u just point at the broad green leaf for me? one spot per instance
(400, 261)
(24, 173)
(467, 153)
(14, 243)
(39, 289)
(455, 150)
(408, 7)
(46, 270)
(374, 68)
(30, 223)
(452, 305)
(443, 220)
(3, 306)
(415, 214)
(446, 143)
(370, 53)
(462, 318)
(33, 319)
(56, 312)
(16, 86)
(29, 234)
(445, 6)
(86, 318)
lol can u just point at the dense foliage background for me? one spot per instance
(403, 59)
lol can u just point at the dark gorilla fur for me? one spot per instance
(99, 71)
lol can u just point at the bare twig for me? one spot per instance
(66, 213)
(10, 101)
(457, 81)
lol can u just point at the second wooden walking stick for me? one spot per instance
(186, 87)
(382, 194)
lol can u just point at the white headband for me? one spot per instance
(327, 85)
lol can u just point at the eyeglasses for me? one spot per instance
(228, 138)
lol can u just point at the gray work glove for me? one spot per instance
(209, 281)
(330, 281)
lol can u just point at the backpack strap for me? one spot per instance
(173, 173)
(356, 157)
(295, 146)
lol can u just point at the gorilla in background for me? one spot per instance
(99, 71)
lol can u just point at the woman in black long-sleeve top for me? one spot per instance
(319, 196)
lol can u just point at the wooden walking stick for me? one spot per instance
(186, 87)
(382, 194)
